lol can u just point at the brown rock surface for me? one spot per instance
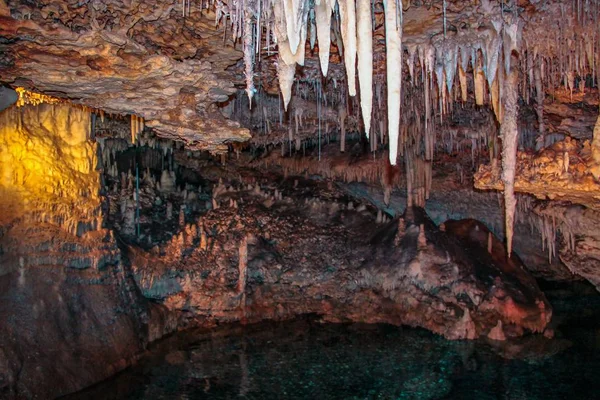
(576, 232)
(275, 257)
(127, 58)
(559, 172)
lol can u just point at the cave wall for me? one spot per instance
(48, 166)
(71, 314)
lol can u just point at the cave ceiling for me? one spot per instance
(179, 65)
(169, 63)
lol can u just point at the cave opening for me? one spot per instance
(299, 199)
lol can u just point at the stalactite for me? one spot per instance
(495, 97)
(479, 81)
(393, 41)
(439, 78)
(462, 78)
(539, 107)
(365, 60)
(348, 27)
(323, 11)
(450, 59)
(337, 32)
(133, 128)
(509, 134)
(249, 54)
(492, 51)
(293, 10)
(313, 28)
(285, 74)
(286, 53)
(409, 181)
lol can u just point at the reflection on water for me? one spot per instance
(307, 360)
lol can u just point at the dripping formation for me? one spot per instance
(477, 54)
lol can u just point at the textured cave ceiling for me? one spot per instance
(172, 66)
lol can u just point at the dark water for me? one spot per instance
(307, 360)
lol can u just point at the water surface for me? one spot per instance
(305, 359)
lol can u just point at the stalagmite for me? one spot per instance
(365, 60)
(323, 19)
(509, 134)
(393, 42)
(348, 22)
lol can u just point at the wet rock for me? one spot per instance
(66, 328)
(303, 260)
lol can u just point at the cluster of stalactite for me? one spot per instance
(476, 58)
(440, 60)
(137, 127)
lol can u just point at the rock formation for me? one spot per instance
(168, 164)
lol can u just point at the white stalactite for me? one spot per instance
(313, 29)
(348, 22)
(248, 55)
(393, 42)
(285, 74)
(509, 134)
(462, 72)
(323, 19)
(286, 52)
(293, 18)
(365, 60)
(450, 62)
(492, 52)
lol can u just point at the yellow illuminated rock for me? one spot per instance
(48, 166)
